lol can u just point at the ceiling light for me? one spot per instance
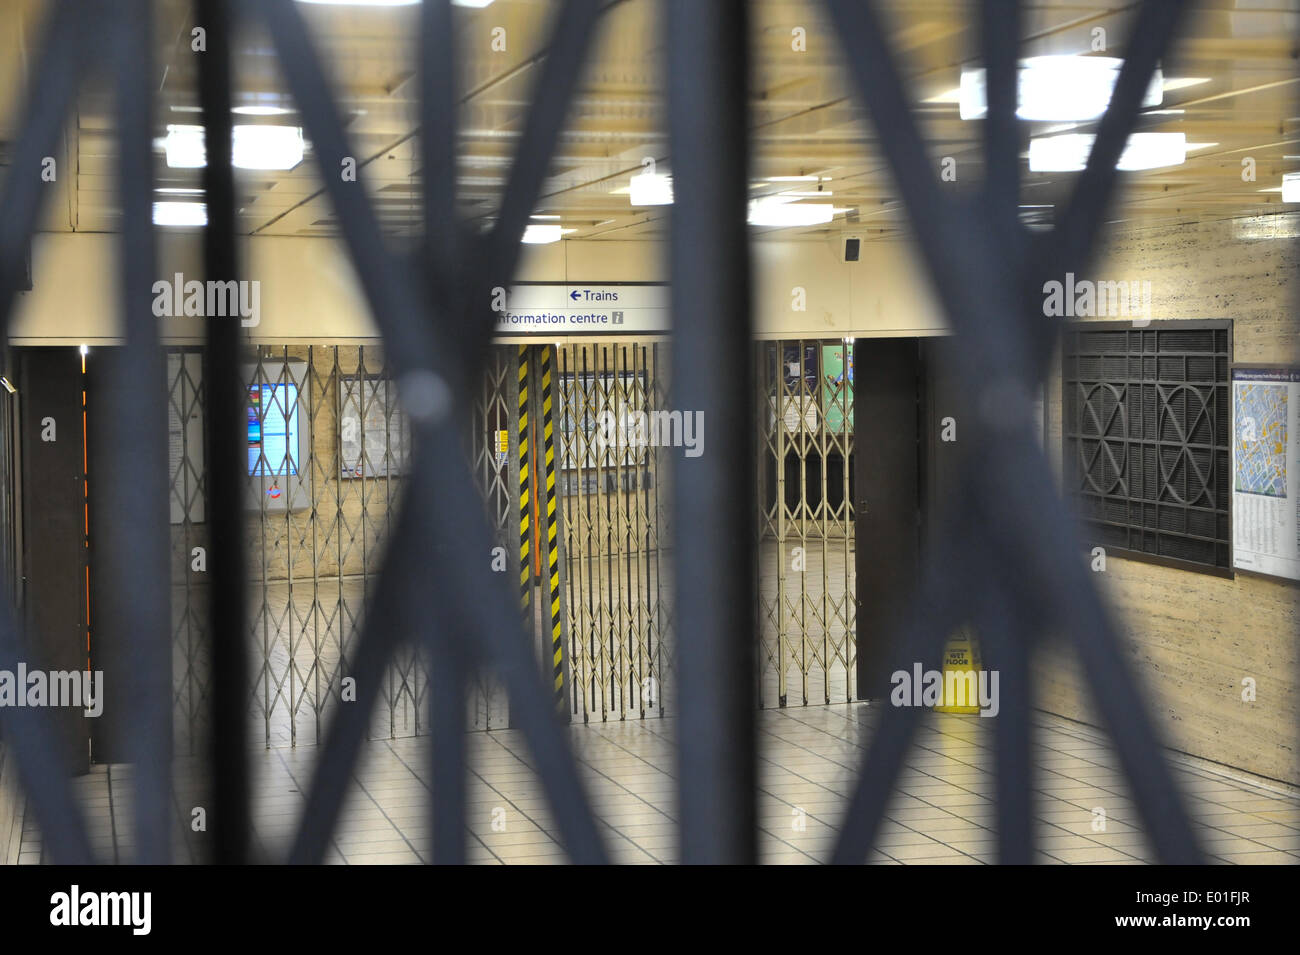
(392, 3)
(541, 234)
(781, 212)
(651, 189)
(1057, 88)
(1291, 187)
(180, 213)
(172, 191)
(261, 110)
(252, 147)
(1182, 82)
(1070, 153)
(547, 218)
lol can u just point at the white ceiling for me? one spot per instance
(1242, 54)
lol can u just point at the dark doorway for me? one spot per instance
(54, 514)
(887, 389)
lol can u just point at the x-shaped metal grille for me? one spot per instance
(1007, 558)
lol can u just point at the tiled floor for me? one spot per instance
(943, 812)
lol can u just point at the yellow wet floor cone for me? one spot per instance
(961, 673)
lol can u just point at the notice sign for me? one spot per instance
(551, 310)
(1265, 433)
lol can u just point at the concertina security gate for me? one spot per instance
(436, 326)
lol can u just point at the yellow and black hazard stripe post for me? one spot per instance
(525, 502)
(552, 543)
(539, 519)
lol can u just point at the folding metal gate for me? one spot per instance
(327, 456)
(806, 621)
(614, 506)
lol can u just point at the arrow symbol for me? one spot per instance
(574, 295)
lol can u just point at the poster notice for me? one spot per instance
(1265, 443)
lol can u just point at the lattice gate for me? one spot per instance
(806, 598)
(327, 454)
(614, 497)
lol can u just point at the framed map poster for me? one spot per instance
(374, 438)
(1265, 439)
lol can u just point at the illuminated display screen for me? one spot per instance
(273, 430)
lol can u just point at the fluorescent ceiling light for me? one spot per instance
(546, 218)
(651, 189)
(261, 110)
(782, 212)
(252, 147)
(1182, 82)
(1069, 153)
(1291, 187)
(1057, 88)
(172, 191)
(180, 213)
(535, 234)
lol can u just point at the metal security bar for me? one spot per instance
(611, 475)
(435, 318)
(806, 596)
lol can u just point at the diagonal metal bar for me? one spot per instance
(878, 81)
(945, 587)
(713, 496)
(133, 461)
(1024, 508)
(428, 374)
(571, 36)
(570, 41)
(64, 54)
(388, 285)
(991, 328)
(226, 454)
(1075, 238)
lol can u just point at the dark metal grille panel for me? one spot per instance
(1146, 437)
